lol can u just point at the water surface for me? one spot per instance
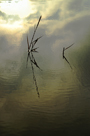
(54, 100)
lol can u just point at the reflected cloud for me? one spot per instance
(81, 61)
(62, 18)
(9, 18)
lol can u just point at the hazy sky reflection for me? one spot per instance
(63, 23)
(68, 20)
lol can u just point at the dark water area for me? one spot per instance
(52, 97)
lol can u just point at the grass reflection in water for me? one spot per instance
(31, 49)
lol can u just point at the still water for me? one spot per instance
(53, 99)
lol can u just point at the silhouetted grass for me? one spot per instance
(64, 55)
(33, 42)
(31, 49)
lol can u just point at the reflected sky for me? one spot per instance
(64, 92)
(63, 23)
(69, 20)
(63, 15)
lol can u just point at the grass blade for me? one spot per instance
(35, 41)
(28, 43)
(35, 31)
(69, 46)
